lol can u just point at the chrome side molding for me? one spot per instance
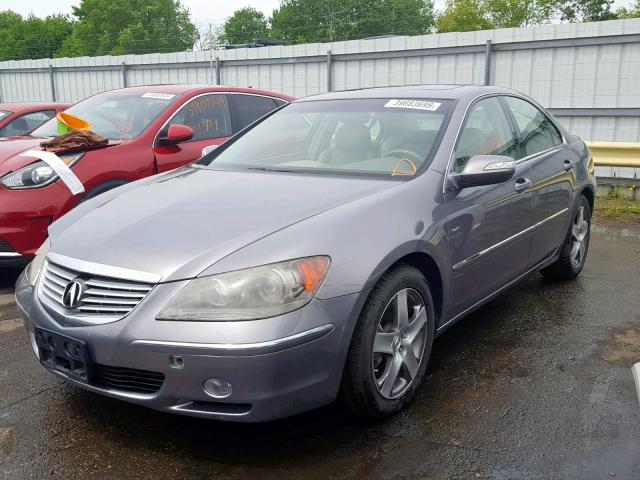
(467, 261)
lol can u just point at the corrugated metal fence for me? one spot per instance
(587, 74)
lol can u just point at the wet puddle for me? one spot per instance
(624, 347)
(10, 325)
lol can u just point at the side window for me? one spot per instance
(537, 133)
(486, 131)
(208, 115)
(251, 107)
(25, 123)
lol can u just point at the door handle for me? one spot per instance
(568, 165)
(522, 184)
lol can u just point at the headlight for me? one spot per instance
(36, 175)
(34, 268)
(259, 292)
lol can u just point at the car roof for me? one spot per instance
(197, 89)
(16, 107)
(453, 92)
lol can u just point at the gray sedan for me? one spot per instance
(317, 254)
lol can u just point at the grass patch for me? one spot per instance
(623, 209)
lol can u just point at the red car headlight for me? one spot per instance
(36, 175)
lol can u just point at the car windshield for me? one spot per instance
(115, 115)
(4, 113)
(386, 136)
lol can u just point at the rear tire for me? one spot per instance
(391, 345)
(573, 253)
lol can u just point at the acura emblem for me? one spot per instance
(72, 294)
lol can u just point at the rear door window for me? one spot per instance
(252, 107)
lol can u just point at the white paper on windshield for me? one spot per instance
(413, 104)
(159, 96)
(57, 165)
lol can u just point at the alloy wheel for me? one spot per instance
(399, 343)
(579, 232)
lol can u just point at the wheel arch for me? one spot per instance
(429, 268)
(589, 194)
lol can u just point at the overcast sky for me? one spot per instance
(202, 11)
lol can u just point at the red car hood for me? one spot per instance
(12, 147)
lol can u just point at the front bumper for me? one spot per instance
(14, 261)
(277, 367)
(25, 216)
(9, 257)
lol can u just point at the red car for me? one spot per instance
(17, 119)
(151, 129)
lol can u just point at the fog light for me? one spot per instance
(217, 388)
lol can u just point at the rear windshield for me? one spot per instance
(4, 113)
(387, 136)
(115, 115)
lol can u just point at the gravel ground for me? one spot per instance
(535, 385)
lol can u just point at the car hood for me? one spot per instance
(174, 226)
(12, 147)
(10, 150)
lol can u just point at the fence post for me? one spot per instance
(218, 67)
(329, 83)
(52, 82)
(124, 75)
(487, 63)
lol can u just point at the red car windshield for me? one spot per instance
(115, 115)
(4, 113)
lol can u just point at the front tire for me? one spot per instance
(391, 345)
(573, 253)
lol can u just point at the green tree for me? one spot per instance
(301, 21)
(244, 26)
(116, 27)
(585, 10)
(398, 17)
(32, 37)
(8, 21)
(464, 16)
(470, 15)
(519, 13)
(633, 11)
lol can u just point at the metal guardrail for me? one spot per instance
(615, 154)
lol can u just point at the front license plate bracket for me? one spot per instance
(64, 354)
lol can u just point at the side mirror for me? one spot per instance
(486, 170)
(178, 133)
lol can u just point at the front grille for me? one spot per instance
(126, 379)
(4, 247)
(103, 298)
